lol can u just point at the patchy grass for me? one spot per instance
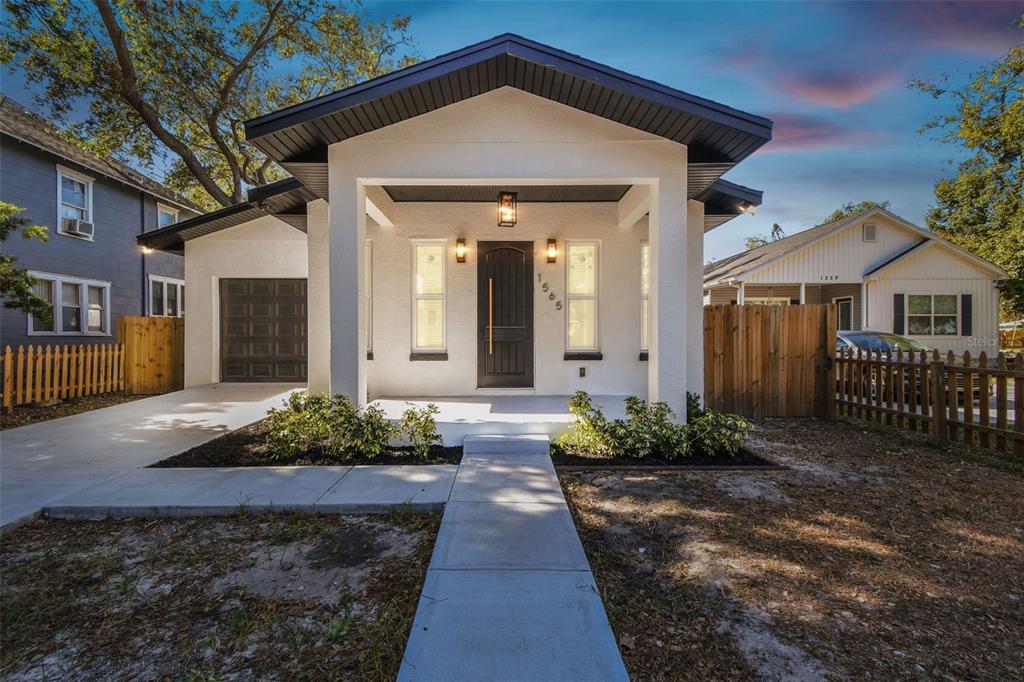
(30, 414)
(273, 597)
(872, 557)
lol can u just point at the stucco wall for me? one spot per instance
(265, 247)
(391, 373)
(937, 271)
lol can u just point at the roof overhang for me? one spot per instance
(285, 200)
(725, 200)
(717, 136)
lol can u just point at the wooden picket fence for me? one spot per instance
(769, 361)
(956, 399)
(154, 353)
(39, 374)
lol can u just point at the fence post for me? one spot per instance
(939, 404)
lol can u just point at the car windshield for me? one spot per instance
(883, 342)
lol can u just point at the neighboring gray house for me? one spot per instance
(92, 268)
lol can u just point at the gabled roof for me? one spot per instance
(285, 199)
(718, 136)
(936, 242)
(21, 124)
(743, 264)
(724, 200)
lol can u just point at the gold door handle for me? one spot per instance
(490, 316)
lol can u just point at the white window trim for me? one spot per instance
(166, 281)
(836, 300)
(907, 315)
(645, 297)
(164, 208)
(596, 296)
(83, 303)
(766, 300)
(368, 294)
(443, 296)
(63, 171)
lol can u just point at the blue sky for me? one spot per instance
(833, 76)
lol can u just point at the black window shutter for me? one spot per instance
(897, 313)
(966, 315)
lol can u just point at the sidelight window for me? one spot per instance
(581, 287)
(429, 295)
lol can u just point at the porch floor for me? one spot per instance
(513, 414)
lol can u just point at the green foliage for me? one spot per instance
(649, 430)
(15, 283)
(981, 208)
(176, 80)
(850, 208)
(324, 427)
(755, 241)
(419, 428)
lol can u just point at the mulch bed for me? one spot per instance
(30, 414)
(282, 596)
(874, 555)
(744, 458)
(247, 447)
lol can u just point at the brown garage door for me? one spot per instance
(263, 330)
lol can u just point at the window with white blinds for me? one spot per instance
(428, 295)
(581, 284)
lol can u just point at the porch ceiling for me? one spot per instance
(717, 136)
(488, 193)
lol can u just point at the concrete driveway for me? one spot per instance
(42, 462)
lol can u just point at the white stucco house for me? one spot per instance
(884, 274)
(506, 219)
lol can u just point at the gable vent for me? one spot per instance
(870, 232)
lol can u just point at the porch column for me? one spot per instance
(803, 293)
(668, 234)
(739, 294)
(347, 312)
(695, 298)
(318, 297)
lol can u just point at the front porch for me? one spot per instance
(472, 415)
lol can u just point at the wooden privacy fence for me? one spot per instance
(956, 399)
(39, 374)
(154, 353)
(769, 361)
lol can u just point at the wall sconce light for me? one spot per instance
(460, 250)
(146, 250)
(506, 209)
(552, 250)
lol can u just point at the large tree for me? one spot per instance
(17, 287)
(981, 208)
(171, 82)
(850, 208)
(757, 240)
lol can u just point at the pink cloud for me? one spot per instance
(987, 28)
(839, 90)
(797, 133)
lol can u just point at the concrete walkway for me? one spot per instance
(509, 594)
(43, 462)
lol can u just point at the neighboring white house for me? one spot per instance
(381, 269)
(883, 273)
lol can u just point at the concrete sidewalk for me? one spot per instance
(42, 462)
(509, 594)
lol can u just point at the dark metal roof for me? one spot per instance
(714, 133)
(489, 193)
(285, 199)
(724, 200)
(30, 128)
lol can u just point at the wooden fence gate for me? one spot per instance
(154, 353)
(770, 360)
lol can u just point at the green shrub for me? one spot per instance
(323, 427)
(419, 427)
(650, 430)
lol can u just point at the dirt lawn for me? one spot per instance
(874, 557)
(244, 597)
(30, 414)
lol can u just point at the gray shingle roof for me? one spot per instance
(24, 125)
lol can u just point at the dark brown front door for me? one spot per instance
(263, 330)
(505, 315)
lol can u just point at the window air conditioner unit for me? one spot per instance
(79, 228)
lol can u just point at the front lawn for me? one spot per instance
(874, 556)
(30, 414)
(267, 597)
